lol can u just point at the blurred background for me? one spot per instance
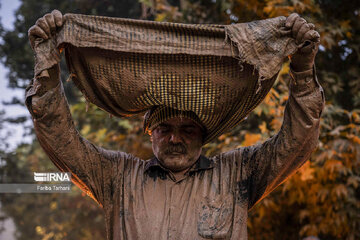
(321, 201)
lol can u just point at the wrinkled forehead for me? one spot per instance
(180, 122)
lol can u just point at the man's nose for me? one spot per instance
(175, 138)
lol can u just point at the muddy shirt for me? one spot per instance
(142, 200)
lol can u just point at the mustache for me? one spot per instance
(178, 148)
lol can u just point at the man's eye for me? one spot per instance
(189, 131)
(163, 130)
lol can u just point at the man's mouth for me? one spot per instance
(177, 149)
(175, 153)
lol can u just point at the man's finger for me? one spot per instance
(312, 26)
(300, 35)
(58, 17)
(315, 36)
(291, 19)
(43, 25)
(36, 31)
(312, 36)
(49, 18)
(297, 25)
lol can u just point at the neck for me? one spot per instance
(179, 175)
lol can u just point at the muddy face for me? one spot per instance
(177, 143)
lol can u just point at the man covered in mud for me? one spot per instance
(180, 194)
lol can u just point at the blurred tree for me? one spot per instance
(321, 200)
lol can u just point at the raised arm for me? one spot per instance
(261, 168)
(95, 170)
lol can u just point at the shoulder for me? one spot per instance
(235, 157)
(120, 158)
(229, 158)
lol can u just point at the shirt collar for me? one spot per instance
(203, 163)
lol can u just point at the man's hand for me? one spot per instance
(302, 31)
(46, 26)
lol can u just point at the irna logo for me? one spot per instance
(52, 177)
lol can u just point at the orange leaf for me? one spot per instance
(263, 127)
(251, 139)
